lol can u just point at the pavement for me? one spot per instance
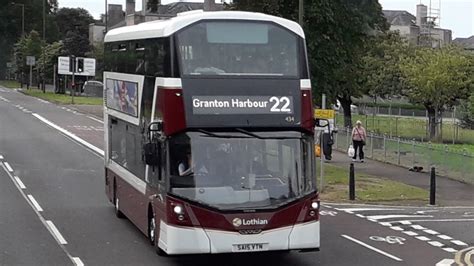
(449, 192)
(55, 212)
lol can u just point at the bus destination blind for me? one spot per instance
(210, 105)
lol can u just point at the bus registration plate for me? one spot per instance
(250, 247)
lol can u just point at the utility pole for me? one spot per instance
(106, 15)
(300, 12)
(22, 17)
(42, 50)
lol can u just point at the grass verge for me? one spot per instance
(369, 189)
(63, 98)
(11, 84)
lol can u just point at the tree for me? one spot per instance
(336, 37)
(30, 45)
(76, 44)
(49, 57)
(382, 75)
(73, 26)
(98, 53)
(11, 21)
(466, 112)
(438, 78)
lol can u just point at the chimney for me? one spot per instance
(421, 14)
(210, 5)
(130, 7)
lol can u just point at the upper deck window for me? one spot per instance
(238, 49)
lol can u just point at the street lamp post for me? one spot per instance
(22, 17)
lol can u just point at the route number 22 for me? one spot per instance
(283, 101)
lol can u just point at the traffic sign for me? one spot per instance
(87, 64)
(30, 60)
(324, 113)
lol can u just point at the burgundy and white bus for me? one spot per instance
(209, 133)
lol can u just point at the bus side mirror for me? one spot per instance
(152, 153)
(155, 128)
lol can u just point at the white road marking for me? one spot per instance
(372, 248)
(1, 157)
(445, 220)
(458, 242)
(100, 121)
(445, 237)
(396, 228)
(9, 168)
(418, 227)
(360, 215)
(69, 134)
(436, 243)
(431, 232)
(445, 262)
(56, 233)
(467, 257)
(451, 250)
(18, 181)
(382, 217)
(352, 210)
(405, 222)
(386, 224)
(40, 217)
(77, 261)
(423, 238)
(35, 203)
(410, 233)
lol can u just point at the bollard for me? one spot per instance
(433, 187)
(351, 183)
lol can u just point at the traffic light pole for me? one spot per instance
(72, 68)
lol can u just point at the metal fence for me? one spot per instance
(459, 166)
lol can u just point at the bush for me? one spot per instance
(466, 113)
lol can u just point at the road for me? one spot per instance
(54, 210)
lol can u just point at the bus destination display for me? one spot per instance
(208, 105)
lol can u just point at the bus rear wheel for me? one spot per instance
(152, 229)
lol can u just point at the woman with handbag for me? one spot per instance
(359, 137)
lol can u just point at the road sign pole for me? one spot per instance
(321, 148)
(73, 88)
(31, 76)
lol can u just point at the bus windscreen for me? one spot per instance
(238, 49)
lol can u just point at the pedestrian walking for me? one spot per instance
(359, 137)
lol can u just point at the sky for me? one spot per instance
(456, 15)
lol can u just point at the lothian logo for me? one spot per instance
(255, 221)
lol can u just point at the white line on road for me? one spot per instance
(445, 262)
(69, 134)
(360, 215)
(1, 157)
(38, 214)
(95, 119)
(372, 248)
(436, 243)
(18, 181)
(56, 233)
(386, 224)
(405, 222)
(77, 261)
(396, 228)
(458, 242)
(9, 168)
(451, 250)
(444, 220)
(423, 238)
(431, 232)
(445, 237)
(381, 217)
(35, 203)
(352, 210)
(418, 227)
(410, 233)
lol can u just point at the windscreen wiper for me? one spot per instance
(211, 134)
(260, 137)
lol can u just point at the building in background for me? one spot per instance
(422, 29)
(118, 18)
(467, 43)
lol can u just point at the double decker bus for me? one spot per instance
(209, 133)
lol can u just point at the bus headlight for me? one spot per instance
(315, 205)
(178, 209)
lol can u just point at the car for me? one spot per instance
(93, 88)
